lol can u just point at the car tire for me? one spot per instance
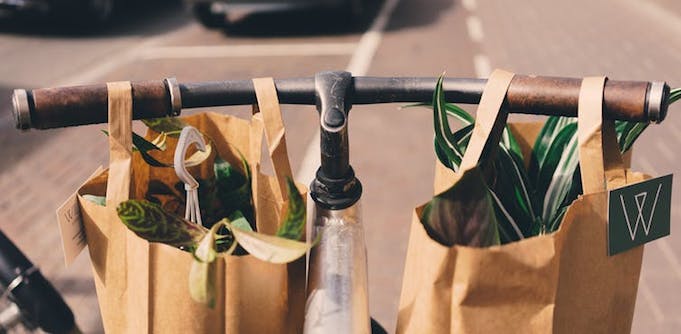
(208, 17)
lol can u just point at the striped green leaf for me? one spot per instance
(457, 112)
(544, 141)
(561, 180)
(445, 146)
(513, 194)
(150, 222)
(551, 160)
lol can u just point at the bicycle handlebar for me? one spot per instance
(79, 105)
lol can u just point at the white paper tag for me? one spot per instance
(71, 226)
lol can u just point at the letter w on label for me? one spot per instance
(640, 200)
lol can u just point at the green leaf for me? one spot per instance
(457, 112)
(171, 125)
(99, 200)
(227, 176)
(450, 108)
(463, 214)
(442, 156)
(553, 225)
(555, 158)
(238, 220)
(509, 229)
(202, 274)
(444, 144)
(234, 188)
(552, 127)
(144, 146)
(161, 141)
(553, 155)
(508, 141)
(268, 247)
(674, 95)
(513, 195)
(202, 282)
(150, 222)
(294, 223)
(561, 180)
(629, 133)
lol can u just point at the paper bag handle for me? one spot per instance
(117, 191)
(600, 160)
(490, 120)
(268, 105)
(120, 142)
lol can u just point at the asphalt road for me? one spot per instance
(391, 149)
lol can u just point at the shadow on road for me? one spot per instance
(416, 13)
(147, 18)
(409, 14)
(139, 18)
(302, 23)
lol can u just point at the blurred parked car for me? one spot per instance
(84, 11)
(213, 13)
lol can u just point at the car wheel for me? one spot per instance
(209, 16)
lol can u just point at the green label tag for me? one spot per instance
(639, 213)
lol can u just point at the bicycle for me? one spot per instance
(335, 190)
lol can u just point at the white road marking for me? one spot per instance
(358, 66)
(666, 150)
(115, 61)
(112, 62)
(256, 50)
(470, 5)
(474, 26)
(482, 66)
(368, 44)
(650, 299)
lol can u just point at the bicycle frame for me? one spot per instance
(34, 302)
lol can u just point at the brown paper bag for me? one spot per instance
(562, 282)
(143, 287)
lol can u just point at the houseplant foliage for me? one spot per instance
(525, 201)
(226, 209)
